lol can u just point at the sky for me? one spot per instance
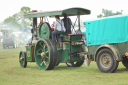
(10, 7)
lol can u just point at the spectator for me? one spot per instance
(53, 25)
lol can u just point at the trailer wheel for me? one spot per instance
(44, 55)
(125, 62)
(106, 61)
(75, 64)
(22, 59)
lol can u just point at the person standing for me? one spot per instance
(59, 27)
(67, 24)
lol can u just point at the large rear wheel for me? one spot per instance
(106, 61)
(44, 55)
(54, 49)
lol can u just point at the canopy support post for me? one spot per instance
(78, 21)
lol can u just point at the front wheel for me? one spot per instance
(75, 64)
(106, 61)
(22, 59)
(125, 62)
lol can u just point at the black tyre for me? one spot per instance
(22, 59)
(125, 62)
(54, 49)
(106, 61)
(75, 64)
(57, 64)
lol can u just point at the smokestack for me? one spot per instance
(34, 24)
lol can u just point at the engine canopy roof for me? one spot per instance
(69, 11)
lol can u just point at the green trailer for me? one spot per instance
(44, 51)
(107, 41)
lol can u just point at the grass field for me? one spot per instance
(12, 74)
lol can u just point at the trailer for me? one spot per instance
(107, 42)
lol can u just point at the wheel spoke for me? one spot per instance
(44, 50)
(22, 56)
(47, 57)
(41, 64)
(47, 52)
(44, 46)
(44, 63)
(41, 44)
(21, 59)
(22, 62)
(40, 50)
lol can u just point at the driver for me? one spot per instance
(59, 27)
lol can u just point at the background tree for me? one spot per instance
(17, 21)
(25, 10)
(106, 13)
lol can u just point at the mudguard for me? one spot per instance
(113, 48)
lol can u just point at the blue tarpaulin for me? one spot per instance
(107, 30)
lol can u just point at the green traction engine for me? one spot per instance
(48, 54)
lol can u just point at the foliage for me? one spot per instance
(11, 22)
(18, 21)
(25, 10)
(106, 13)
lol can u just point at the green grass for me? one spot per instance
(12, 74)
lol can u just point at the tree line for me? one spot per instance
(106, 13)
(17, 21)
